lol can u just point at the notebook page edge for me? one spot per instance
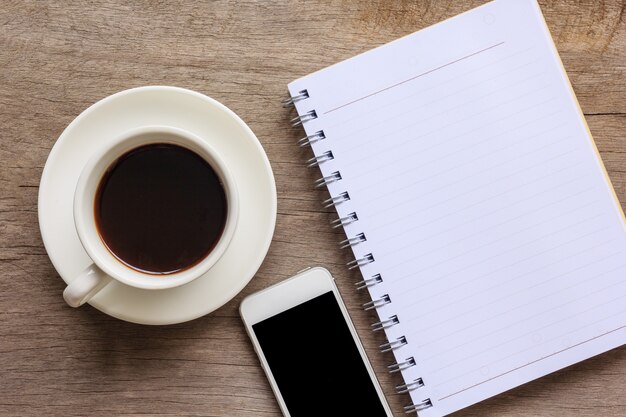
(300, 79)
(601, 344)
(582, 119)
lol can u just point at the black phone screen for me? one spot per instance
(316, 363)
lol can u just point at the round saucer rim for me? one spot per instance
(254, 266)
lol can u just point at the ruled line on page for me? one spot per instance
(414, 77)
(432, 86)
(502, 284)
(411, 230)
(507, 282)
(525, 319)
(515, 278)
(465, 267)
(391, 134)
(579, 313)
(527, 213)
(584, 280)
(491, 227)
(425, 238)
(512, 250)
(533, 362)
(495, 226)
(412, 110)
(410, 107)
(469, 162)
(459, 138)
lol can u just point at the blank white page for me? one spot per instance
(484, 203)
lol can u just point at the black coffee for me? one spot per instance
(160, 208)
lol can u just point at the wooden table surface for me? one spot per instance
(57, 58)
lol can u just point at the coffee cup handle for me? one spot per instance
(85, 286)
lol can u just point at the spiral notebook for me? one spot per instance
(476, 204)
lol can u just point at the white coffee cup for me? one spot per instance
(106, 266)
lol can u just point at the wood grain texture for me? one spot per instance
(57, 58)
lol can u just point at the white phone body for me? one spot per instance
(304, 286)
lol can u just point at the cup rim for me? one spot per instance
(85, 193)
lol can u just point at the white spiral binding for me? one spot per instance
(338, 199)
(370, 305)
(300, 120)
(414, 408)
(411, 386)
(289, 102)
(357, 263)
(329, 179)
(396, 344)
(359, 238)
(344, 221)
(352, 241)
(316, 160)
(386, 324)
(369, 282)
(401, 366)
(308, 140)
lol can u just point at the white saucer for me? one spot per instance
(225, 132)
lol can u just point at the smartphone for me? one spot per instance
(309, 349)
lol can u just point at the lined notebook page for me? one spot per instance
(482, 198)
